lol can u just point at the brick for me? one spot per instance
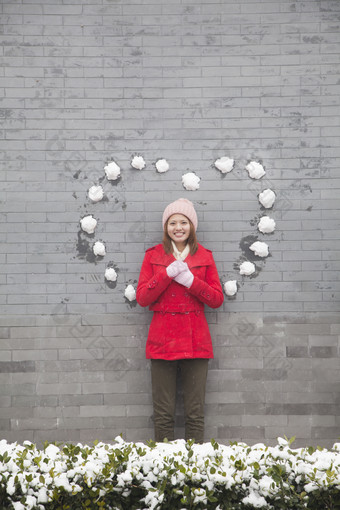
(17, 366)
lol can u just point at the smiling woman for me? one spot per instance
(178, 277)
(178, 229)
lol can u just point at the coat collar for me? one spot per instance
(201, 258)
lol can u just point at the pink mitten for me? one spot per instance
(176, 268)
(185, 278)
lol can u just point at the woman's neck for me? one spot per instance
(180, 253)
(180, 246)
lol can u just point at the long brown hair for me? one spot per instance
(192, 239)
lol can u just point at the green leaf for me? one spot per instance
(151, 443)
(186, 490)
(214, 444)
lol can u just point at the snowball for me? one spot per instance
(162, 166)
(255, 170)
(138, 162)
(112, 171)
(247, 268)
(130, 293)
(266, 225)
(267, 198)
(88, 224)
(96, 193)
(190, 181)
(230, 287)
(224, 164)
(110, 274)
(260, 249)
(99, 249)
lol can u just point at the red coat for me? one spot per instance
(178, 328)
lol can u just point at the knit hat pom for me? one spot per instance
(181, 206)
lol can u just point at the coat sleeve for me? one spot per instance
(151, 284)
(209, 291)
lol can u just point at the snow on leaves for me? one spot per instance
(190, 475)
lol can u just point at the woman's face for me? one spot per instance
(178, 229)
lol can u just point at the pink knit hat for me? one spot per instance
(181, 206)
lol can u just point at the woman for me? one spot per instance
(178, 277)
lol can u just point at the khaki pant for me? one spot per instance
(194, 376)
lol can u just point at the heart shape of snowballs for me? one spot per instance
(190, 182)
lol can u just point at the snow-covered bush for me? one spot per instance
(175, 475)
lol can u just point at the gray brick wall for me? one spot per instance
(86, 81)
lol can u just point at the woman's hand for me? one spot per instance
(175, 268)
(185, 278)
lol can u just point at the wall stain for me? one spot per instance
(248, 254)
(84, 249)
